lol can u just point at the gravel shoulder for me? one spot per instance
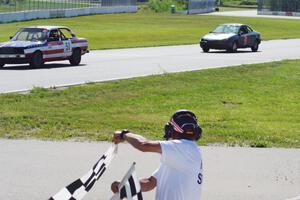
(32, 169)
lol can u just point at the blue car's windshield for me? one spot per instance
(227, 28)
(31, 34)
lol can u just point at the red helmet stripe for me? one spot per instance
(176, 127)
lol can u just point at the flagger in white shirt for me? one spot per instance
(179, 176)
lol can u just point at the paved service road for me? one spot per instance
(126, 63)
(36, 170)
(250, 13)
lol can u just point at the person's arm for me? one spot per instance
(147, 184)
(137, 141)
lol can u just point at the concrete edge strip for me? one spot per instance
(294, 198)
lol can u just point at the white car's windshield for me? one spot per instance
(226, 28)
(31, 34)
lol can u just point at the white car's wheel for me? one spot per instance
(76, 57)
(37, 60)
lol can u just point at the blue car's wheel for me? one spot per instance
(233, 47)
(1, 65)
(254, 48)
(205, 49)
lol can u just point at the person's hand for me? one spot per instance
(117, 137)
(114, 186)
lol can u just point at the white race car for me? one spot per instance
(39, 44)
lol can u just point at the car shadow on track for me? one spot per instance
(45, 66)
(225, 52)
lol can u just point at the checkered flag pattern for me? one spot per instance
(78, 189)
(129, 187)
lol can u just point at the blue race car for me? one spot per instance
(231, 37)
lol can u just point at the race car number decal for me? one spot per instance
(67, 46)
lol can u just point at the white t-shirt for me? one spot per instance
(179, 176)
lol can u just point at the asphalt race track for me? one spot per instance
(126, 63)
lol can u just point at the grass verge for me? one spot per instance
(154, 29)
(226, 9)
(238, 2)
(254, 105)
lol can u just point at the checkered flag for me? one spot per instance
(129, 187)
(78, 189)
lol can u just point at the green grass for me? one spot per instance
(225, 9)
(254, 105)
(239, 2)
(150, 29)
